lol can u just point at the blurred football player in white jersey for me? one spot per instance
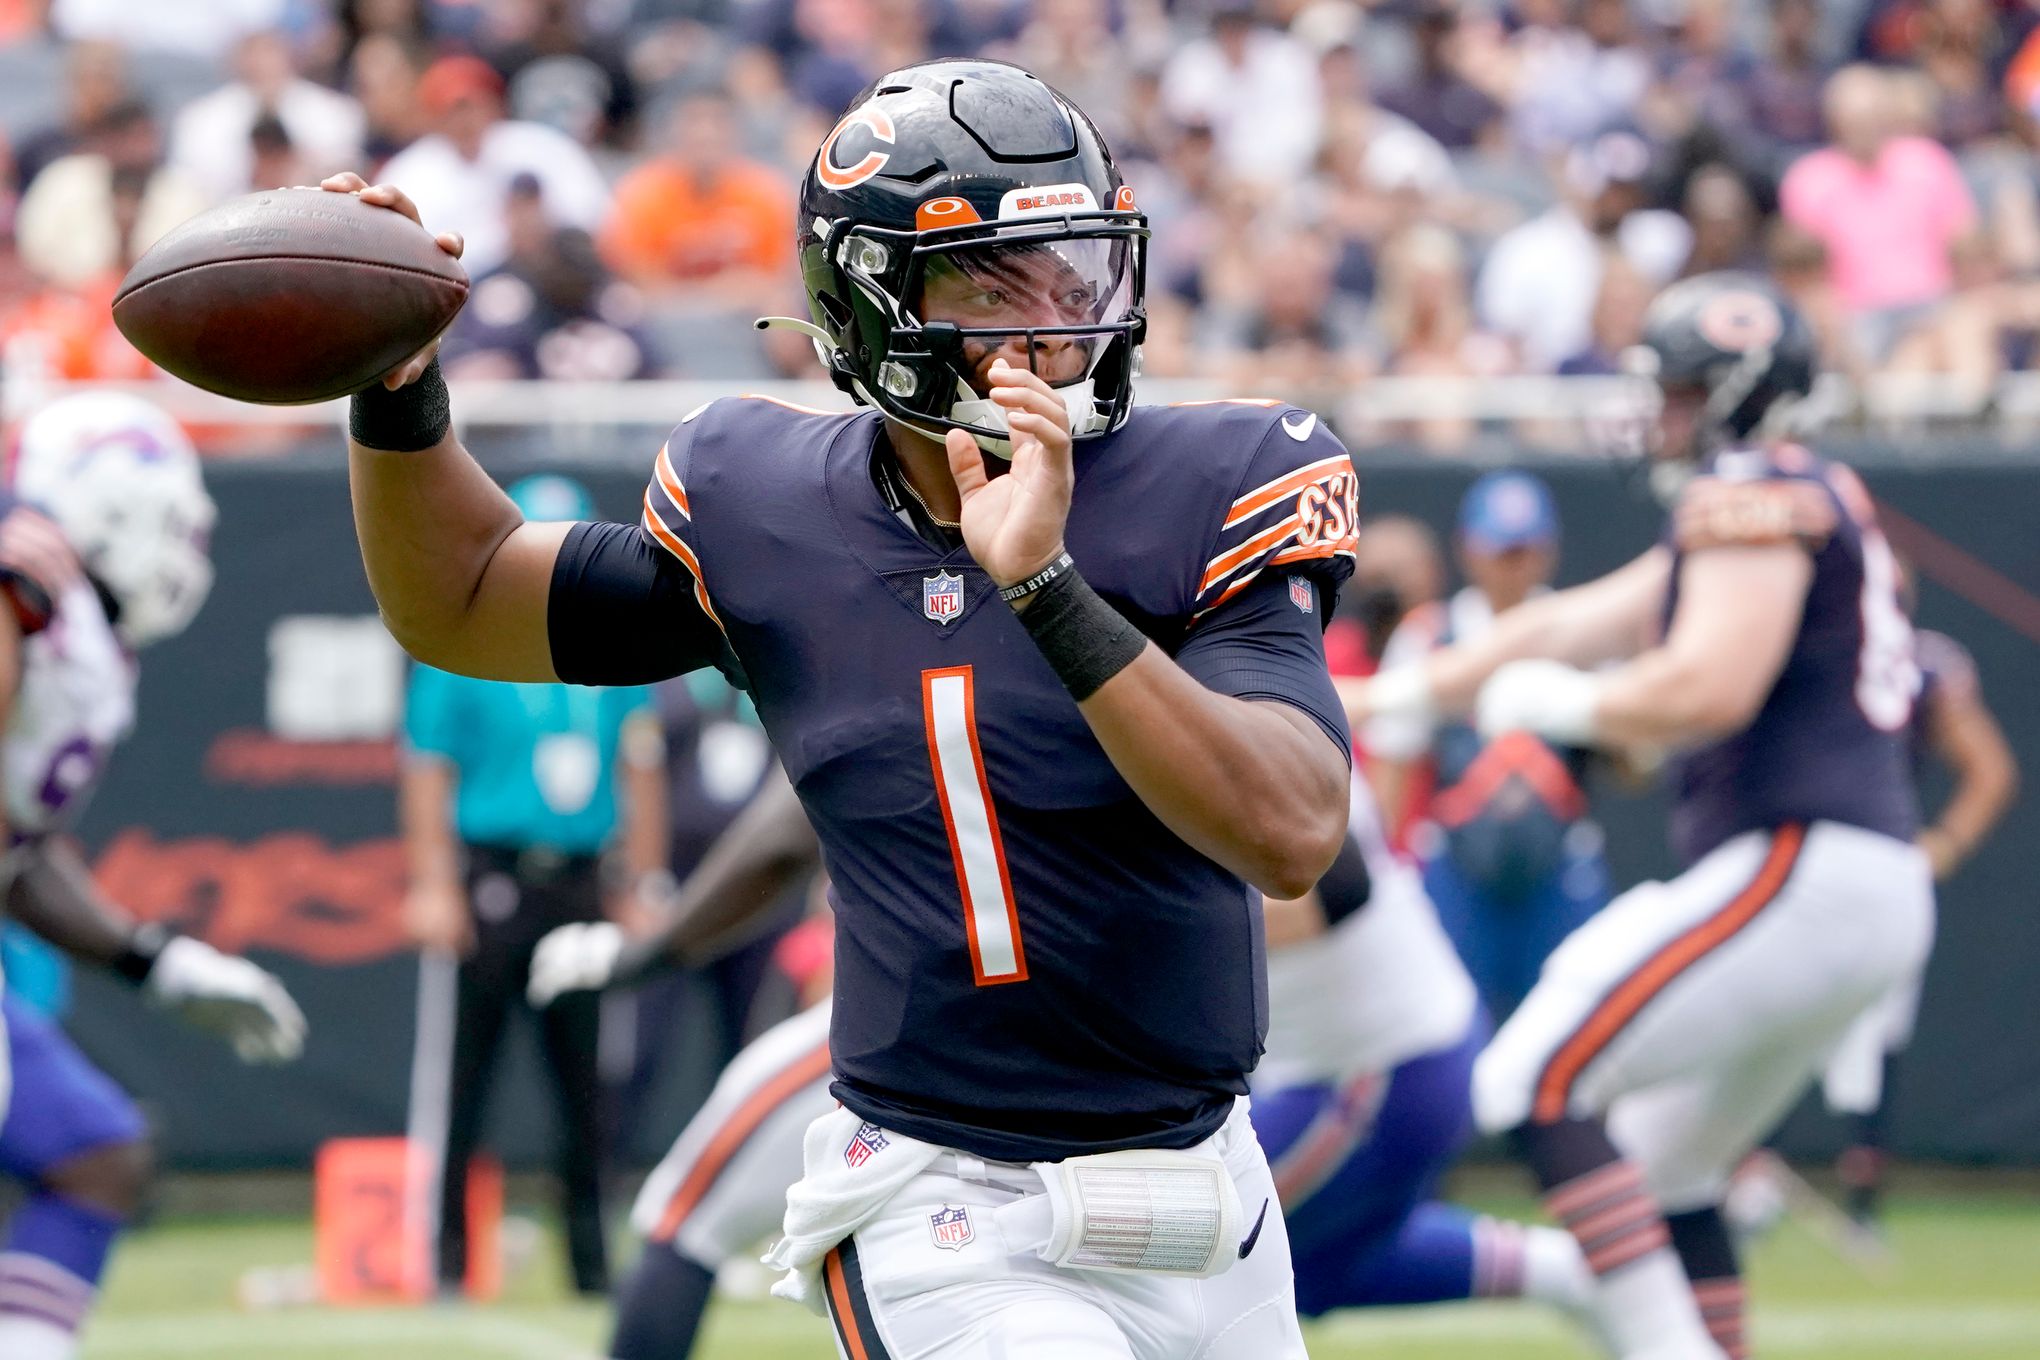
(103, 529)
(1763, 643)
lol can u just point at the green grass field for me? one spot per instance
(1963, 1283)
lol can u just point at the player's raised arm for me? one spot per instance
(1605, 619)
(1257, 786)
(464, 582)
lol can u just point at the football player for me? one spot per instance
(1763, 641)
(119, 561)
(1046, 670)
(1951, 725)
(1360, 1104)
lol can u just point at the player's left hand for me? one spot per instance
(1549, 698)
(229, 996)
(1013, 525)
(574, 958)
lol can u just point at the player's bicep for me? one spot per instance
(504, 633)
(1267, 644)
(1738, 613)
(623, 610)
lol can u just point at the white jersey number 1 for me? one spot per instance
(990, 922)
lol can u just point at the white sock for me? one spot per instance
(28, 1338)
(1554, 1272)
(1646, 1307)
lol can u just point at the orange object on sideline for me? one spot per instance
(369, 1211)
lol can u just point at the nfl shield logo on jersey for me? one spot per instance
(950, 1228)
(868, 1139)
(942, 596)
(1299, 593)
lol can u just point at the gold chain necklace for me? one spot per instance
(933, 518)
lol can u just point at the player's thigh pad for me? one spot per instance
(721, 1190)
(1773, 938)
(63, 1106)
(932, 1278)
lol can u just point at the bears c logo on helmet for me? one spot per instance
(1739, 322)
(840, 177)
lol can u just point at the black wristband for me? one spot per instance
(138, 956)
(1020, 590)
(1085, 640)
(415, 416)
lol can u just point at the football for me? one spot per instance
(289, 296)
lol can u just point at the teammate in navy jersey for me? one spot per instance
(1952, 726)
(1764, 643)
(1046, 671)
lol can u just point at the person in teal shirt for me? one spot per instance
(510, 800)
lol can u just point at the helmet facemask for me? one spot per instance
(929, 312)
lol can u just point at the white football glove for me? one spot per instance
(1400, 694)
(231, 997)
(1550, 698)
(576, 958)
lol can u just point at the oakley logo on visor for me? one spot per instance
(839, 177)
(1050, 200)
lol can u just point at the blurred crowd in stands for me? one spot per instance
(1338, 190)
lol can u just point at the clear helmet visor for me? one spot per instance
(1052, 305)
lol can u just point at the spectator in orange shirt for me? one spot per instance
(702, 219)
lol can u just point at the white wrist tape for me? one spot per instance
(1549, 698)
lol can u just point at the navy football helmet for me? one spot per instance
(962, 211)
(1736, 341)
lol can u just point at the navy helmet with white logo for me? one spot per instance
(963, 210)
(1734, 337)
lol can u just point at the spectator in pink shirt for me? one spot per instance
(1886, 206)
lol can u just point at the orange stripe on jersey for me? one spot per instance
(671, 542)
(1226, 563)
(1265, 495)
(1305, 552)
(669, 482)
(1554, 1087)
(804, 1071)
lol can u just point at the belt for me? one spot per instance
(532, 863)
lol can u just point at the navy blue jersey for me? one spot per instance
(1829, 742)
(1029, 965)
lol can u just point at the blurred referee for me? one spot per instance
(508, 801)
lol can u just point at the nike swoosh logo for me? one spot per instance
(1247, 1242)
(1299, 430)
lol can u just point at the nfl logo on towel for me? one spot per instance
(1299, 593)
(950, 1228)
(942, 596)
(868, 1140)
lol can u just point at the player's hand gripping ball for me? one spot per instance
(294, 295)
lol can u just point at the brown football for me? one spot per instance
(289, 296)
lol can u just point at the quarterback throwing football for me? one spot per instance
(1046, 672)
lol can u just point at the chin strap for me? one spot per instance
(794, 323)
(1079, 399)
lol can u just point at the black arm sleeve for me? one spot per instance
(622, 612)
(1262, 645)
(1347, 886)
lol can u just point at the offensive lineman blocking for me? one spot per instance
(1042, 795)
(1763, 638)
